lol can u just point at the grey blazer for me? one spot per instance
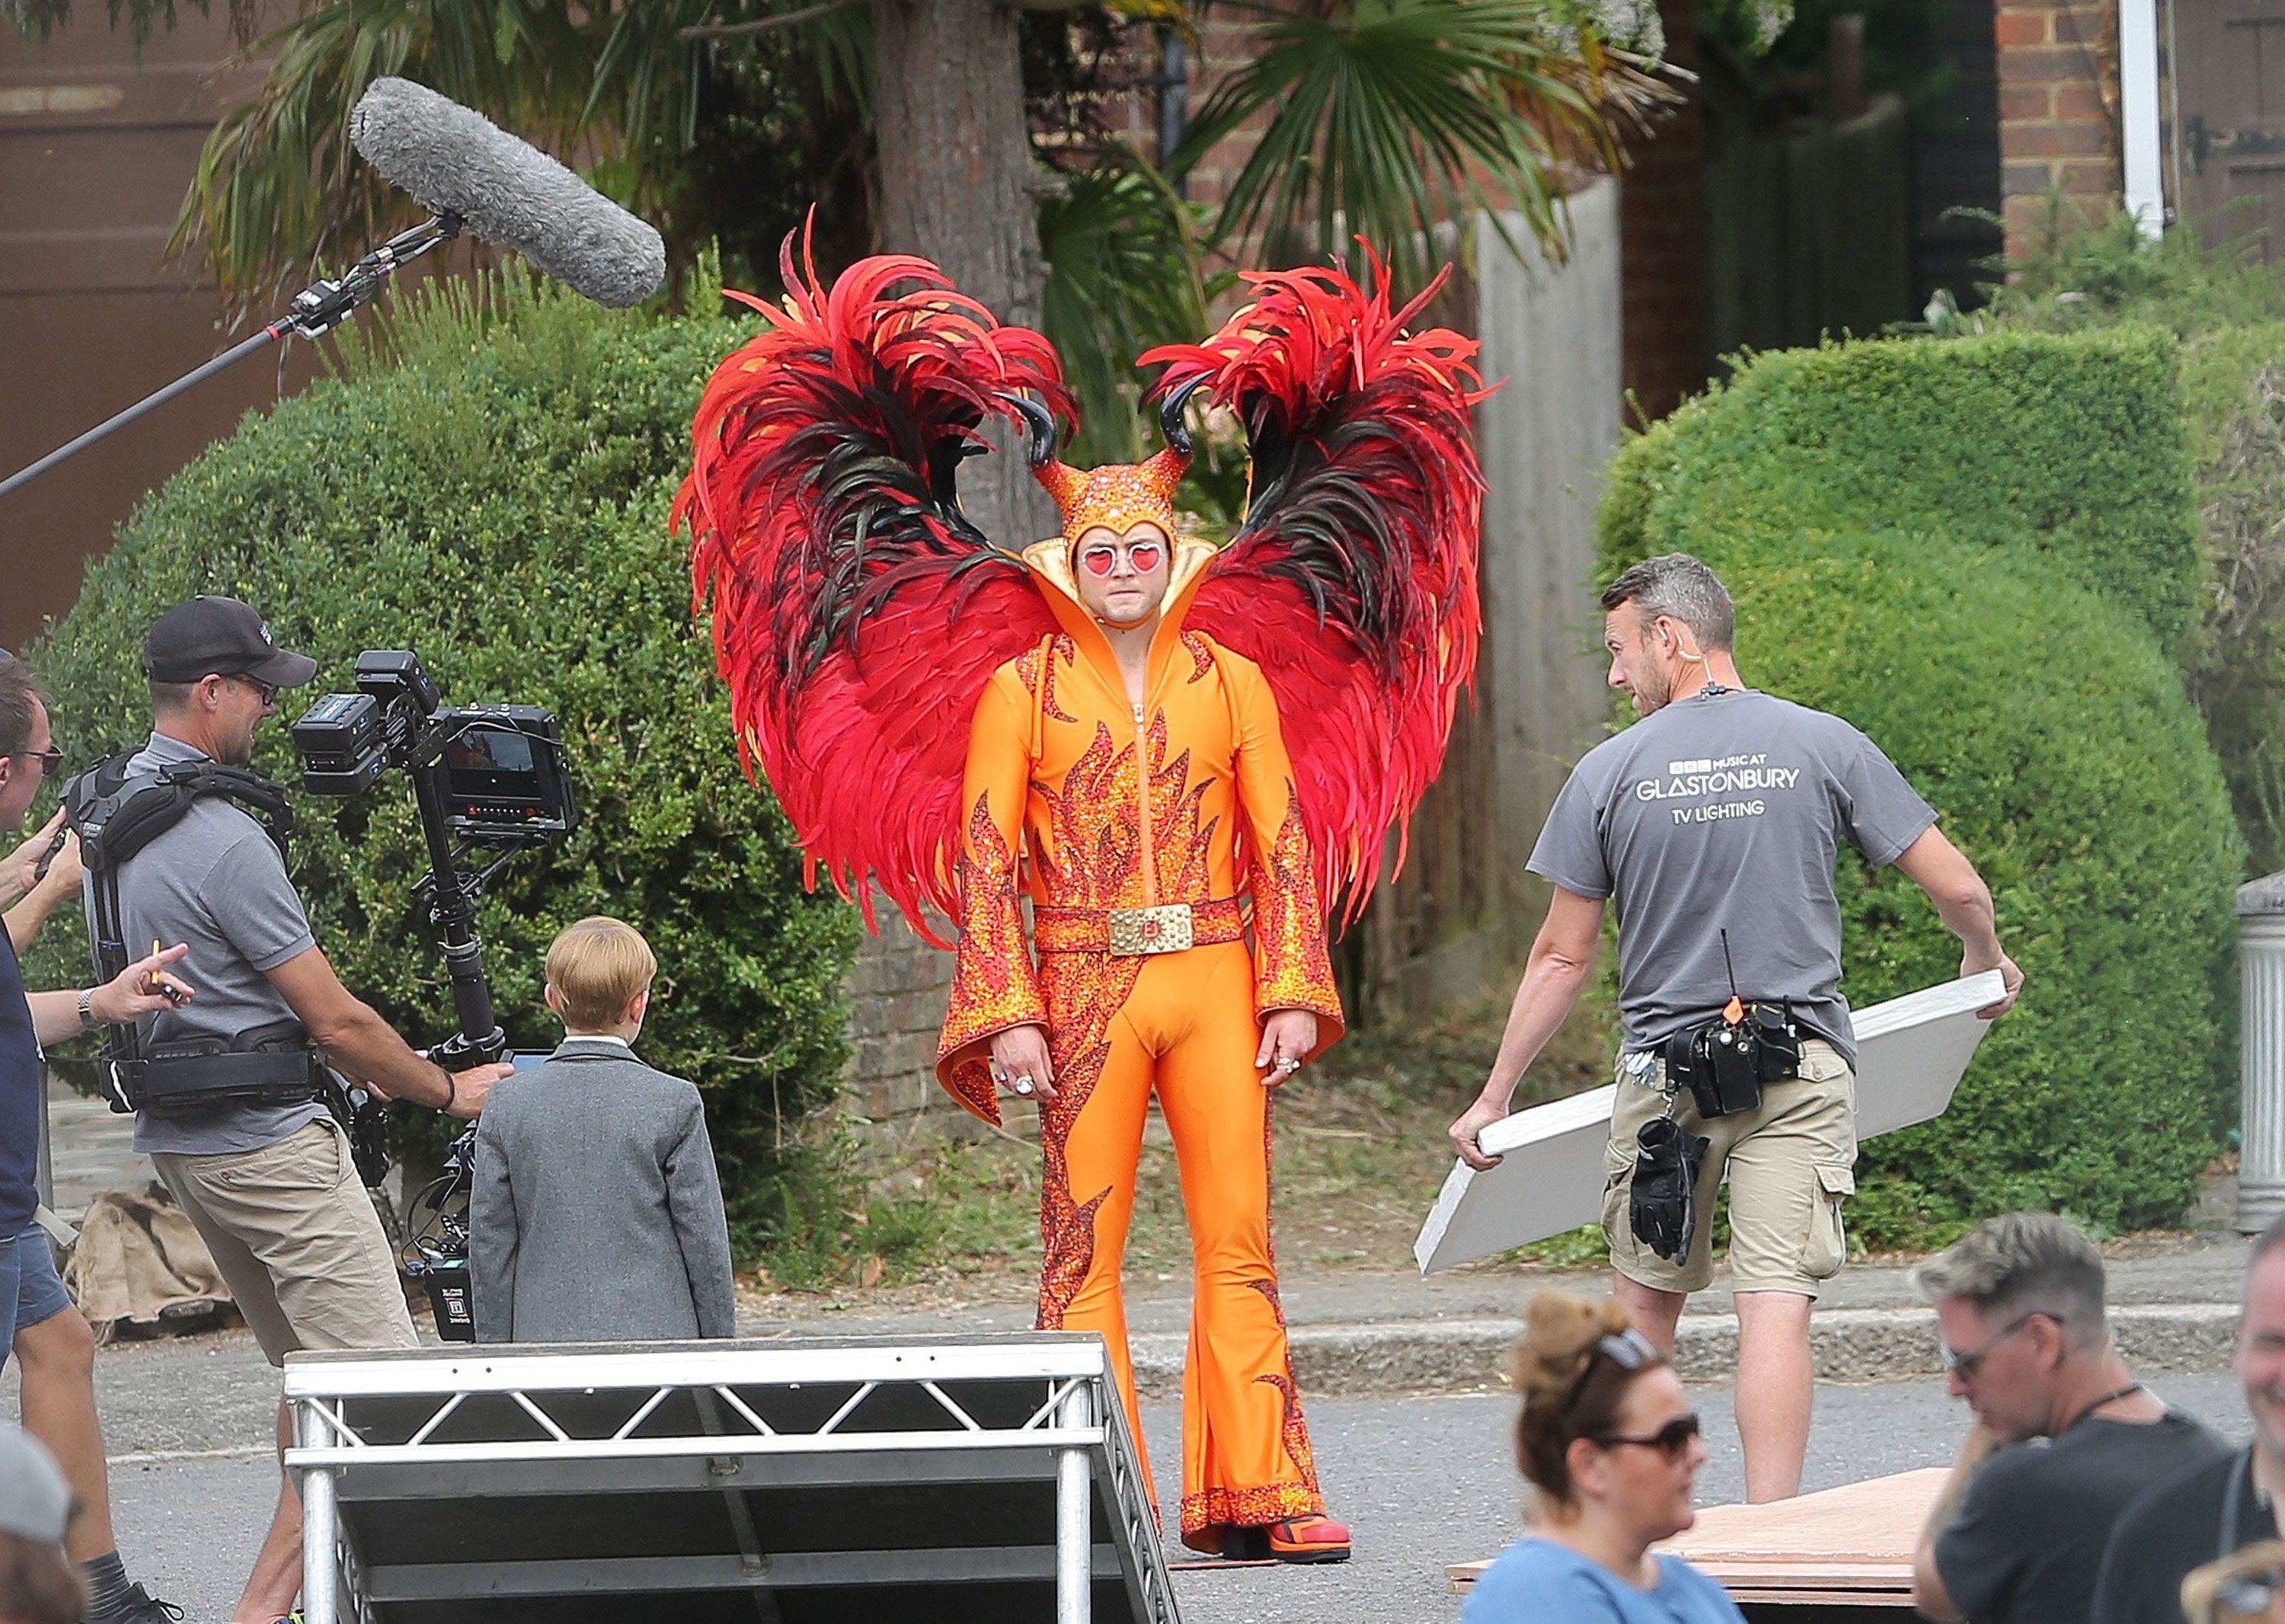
(597, 1214)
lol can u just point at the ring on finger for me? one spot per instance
(1023, 1085)
(1288, 1064)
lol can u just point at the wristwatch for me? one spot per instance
(87, 1021)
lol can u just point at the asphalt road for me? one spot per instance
(1422, 1481)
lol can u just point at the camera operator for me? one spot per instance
(1713, 824)
(269, 1183)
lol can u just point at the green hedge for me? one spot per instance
(2072, 445)
(2042, 719)
(498, 504)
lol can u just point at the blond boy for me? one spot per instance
(597, 1212)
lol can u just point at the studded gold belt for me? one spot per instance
(1134, 933)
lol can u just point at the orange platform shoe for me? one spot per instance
(1297, 1539)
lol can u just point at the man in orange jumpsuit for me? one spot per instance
(1132, 776)
(1096, 720)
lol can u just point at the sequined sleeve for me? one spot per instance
(994, 983)
(1292, 968)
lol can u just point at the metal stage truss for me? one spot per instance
(764, 1482)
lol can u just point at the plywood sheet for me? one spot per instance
(1912, 1053)
(1851, 1545)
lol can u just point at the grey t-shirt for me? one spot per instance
(216, 881)
(1724, 812)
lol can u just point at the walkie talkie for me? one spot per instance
(1724, 1063)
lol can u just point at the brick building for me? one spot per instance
(2173, 108)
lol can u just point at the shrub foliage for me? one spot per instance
(2228, 308)
(498, 504)
(2001, 441)
(1951, 618)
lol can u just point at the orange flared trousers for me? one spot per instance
(1183, 1025)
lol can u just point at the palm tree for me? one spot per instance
(1387, 116)
(717, 119)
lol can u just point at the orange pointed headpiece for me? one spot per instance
(1117, 497)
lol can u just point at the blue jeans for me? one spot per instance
(30, 1292)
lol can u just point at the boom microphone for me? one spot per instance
(456, 162)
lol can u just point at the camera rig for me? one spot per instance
(490, 781)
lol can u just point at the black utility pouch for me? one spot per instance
(1734, 1064)
(1779, 1043)
(1662, 1198)
(1719, 1064)
(1724, 1064)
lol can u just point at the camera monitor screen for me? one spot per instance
(501, 774)
(490, 764)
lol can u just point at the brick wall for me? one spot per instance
(2057, 110)
(896, 991)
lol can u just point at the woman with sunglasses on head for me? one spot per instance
(1610, 1444)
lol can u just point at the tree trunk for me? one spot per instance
(957, 186)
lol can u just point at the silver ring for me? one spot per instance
(1022, 1084)
(1286, 1062)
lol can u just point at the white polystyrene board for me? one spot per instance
(1912, 1052)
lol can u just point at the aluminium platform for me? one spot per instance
(766, 1482)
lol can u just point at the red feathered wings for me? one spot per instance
(826, 530)
(1352, 582)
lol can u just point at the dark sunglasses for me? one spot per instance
(1964, 1365)
(267, 690)
(51, 760)
(1671, 1440)
(1629, 1349)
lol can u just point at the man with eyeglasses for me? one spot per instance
(269, 1183)
(2064, 1436)
(2221, 1506)
(39, 1325)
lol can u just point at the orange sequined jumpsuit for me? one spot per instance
(1055, 805)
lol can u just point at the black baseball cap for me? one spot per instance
(220, 637)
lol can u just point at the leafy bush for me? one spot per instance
(2228, 308)
(2237, 669)
(499, 503)
(2043, 721)
(2073, 276)
(2074, 446)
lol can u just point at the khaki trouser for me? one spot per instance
(293, 1232)
(1790, 1163)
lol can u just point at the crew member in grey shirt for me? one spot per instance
(270, 1185)
(597, 1214)
(1712, 825)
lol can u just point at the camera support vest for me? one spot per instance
(116, 814)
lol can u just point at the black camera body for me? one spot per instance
(1724, 1064)
(497, 772)
(490, 777)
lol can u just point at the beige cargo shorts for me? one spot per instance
(1791, 1163)
(295, 1236)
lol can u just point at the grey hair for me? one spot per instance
(2021, 1263)
(1678, 587)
